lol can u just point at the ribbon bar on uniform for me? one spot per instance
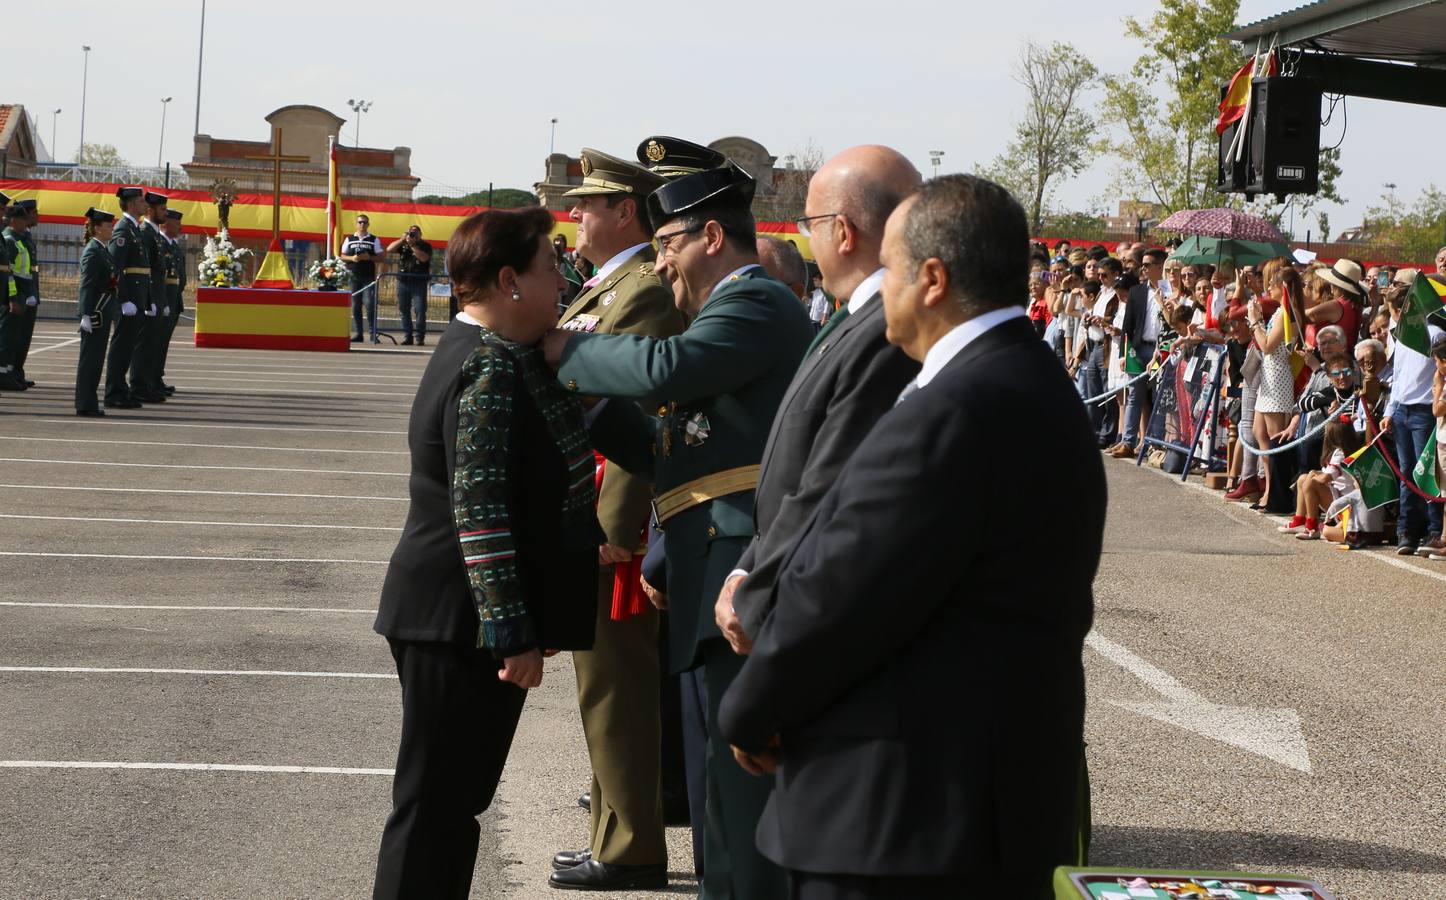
(701, 490)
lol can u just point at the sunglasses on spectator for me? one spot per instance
(1339, 373)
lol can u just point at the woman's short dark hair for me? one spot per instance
(490, 241)
(1092, 288)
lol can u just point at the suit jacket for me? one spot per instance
(1137, 313)
(631, 300)
(714, 389)
(851, 379)
(922, 662)
(426, 595)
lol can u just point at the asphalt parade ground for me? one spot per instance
(193, 703)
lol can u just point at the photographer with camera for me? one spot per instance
(414, 271)
(360, 251)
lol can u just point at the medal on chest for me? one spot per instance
(585, 324)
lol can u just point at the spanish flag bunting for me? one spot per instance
(274, 273)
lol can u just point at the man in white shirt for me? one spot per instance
(1102, 418)
(1408, 417)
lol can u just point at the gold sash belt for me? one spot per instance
(173, 281)
(701, 490)
(136, 270)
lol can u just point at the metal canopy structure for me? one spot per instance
(1382, 49)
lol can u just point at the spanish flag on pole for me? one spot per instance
(1237, 97)
(333, 200)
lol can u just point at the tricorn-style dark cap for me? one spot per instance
(15, 211)
(154, 199)
(4, 199)
(28, 204)
(129, 193)
(604, 174)
(673, 157)
(726, 185)
(172, 213)
(99, 216)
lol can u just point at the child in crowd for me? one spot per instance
(1316, 491)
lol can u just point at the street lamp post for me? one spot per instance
(161, 150)
(54, 114)
(552, 138)
(934, 158)
(200, 55)
(84, 85)
(359, 107)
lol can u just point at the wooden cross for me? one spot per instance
(277, 158)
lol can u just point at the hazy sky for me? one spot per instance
(470, 87)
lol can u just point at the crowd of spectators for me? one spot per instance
(1312, 370)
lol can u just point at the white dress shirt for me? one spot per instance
(611, 265)
(865, 292)
(1411, 376)
(961, 336)
(1150, 332)
(1102, 304)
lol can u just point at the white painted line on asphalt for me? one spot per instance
(249, 390)
(192, 767)
(258, 559)
(116, 490)
(35, 350)
(1378, 556)
(165, 607)
(185, 378)
(230, 673)
(314, 430)
(30, 439)
(193, 522)
(128, 465)
(1272, 733)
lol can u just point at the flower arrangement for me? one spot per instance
(328, 274)
(221, 261)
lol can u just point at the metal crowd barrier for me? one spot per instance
(1186, 412)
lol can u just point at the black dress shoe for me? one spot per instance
(422, 340)
(168, 389)
(148, 397)
(29, 383)
(585, 801)
(95, 413)
(11, 383)
(597, 876)
(356, 339)
(407, 341)
(569, 858)
(123, 404)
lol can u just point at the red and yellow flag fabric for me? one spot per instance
(1237, 96)
(274, 273)
(252, 319)
(333, 201)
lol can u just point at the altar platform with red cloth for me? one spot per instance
(261, 319)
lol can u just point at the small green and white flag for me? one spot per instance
(1423, 301)
(1426, 474)
(1373, 475)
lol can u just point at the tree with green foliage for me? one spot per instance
(1419, 230)
(502, 198)
(1052, 139)
(1166, 106)
(100, 155)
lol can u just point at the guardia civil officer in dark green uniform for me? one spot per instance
(8, 214)
(19, 300)
(146, 361)
(715, 389)
(618, 679)
(32, 302)
(175, 293)
(97, 309)
(133, 276)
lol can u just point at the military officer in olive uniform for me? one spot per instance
(175, 293)
(618, 680)
(146, 361)
(714, 389)
(133, 276)
(97, 309)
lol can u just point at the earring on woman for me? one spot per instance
(516, 295)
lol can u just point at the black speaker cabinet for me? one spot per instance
(1284, 150)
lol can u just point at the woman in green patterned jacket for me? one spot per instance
(497, 564)
(97, 309)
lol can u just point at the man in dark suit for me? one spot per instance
(849, 378)
(918, 685)
(1143, 322)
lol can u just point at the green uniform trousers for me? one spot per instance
(171, 322)
(92, 360)
(118, 360)
(733, 869)
(146, 360)
(618, 681)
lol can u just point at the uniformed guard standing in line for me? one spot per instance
(4, 256)
(18, 294)
(32, 302)
(719, 384)
(175, 293)
(146, 361)
(133, 275)
(97, 309)
(618, 680)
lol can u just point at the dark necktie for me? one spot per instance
(834, 321)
